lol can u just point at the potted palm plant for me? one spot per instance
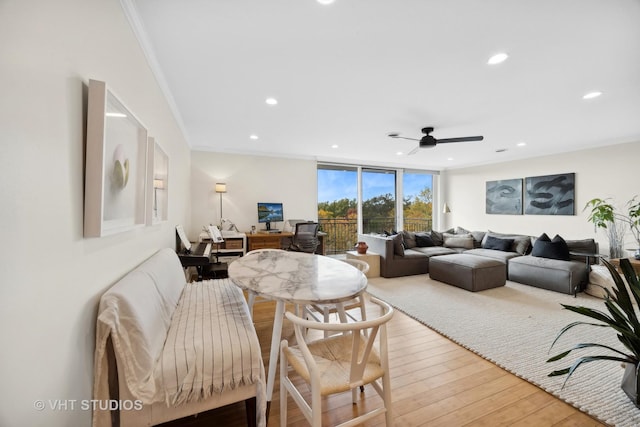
(603, 215)
(623, 317)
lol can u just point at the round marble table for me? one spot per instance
(296, 278)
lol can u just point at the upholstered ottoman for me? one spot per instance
(470, 272)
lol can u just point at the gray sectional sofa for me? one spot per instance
(402, 255)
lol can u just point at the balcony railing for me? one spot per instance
(342, 234)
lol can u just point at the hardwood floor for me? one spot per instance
(434, 381)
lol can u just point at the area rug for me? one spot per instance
(513, 326)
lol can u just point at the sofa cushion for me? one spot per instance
(414, 253)
(552, 249)
(492, 253)
(553, 274)
(398, 244)
(464, 241)
(520, 242)
(409, 239)
(423, 240)
(434, 251)
(498, 244)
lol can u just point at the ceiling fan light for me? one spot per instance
(497, 58)
(592, 95)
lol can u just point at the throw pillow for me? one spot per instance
(464, 241)
(409, 239)
(398, 245)
(553, 249)
(461, 230)
(477, 238)
(520, 243)
(423, 240)
(437, 237)
(498, 244)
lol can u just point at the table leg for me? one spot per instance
(275, 350)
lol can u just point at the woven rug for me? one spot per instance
(513, 326)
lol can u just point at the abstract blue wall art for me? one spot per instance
(504, 197)
(550, 194)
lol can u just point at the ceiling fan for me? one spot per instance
(428, 141)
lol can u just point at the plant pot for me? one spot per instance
(630, 382)
(361, 247)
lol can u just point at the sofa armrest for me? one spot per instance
(381, 245)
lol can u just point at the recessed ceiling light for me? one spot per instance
(399, 153)
(450, 158)
(592, 95)
(271, 101)
(334, 146)
(325, 1)
(521, 144)
(497, 58)
(253, 136)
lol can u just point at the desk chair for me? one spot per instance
(305, 238)
(337, 364)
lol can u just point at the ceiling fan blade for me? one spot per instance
(403, 137)
(414, 151)
(463, 139)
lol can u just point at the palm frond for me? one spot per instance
(581, 361)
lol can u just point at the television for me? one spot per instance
(270, 212)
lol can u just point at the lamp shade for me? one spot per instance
(221, 187)
(158, 183)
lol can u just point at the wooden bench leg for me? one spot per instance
(250, 405)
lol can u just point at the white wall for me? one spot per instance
(250, 179)
(52, 277)
(603, 172)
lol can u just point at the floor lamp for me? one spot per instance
(221, 187)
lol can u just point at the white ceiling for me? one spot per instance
(351, 72)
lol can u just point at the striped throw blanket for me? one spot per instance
(177, 353)
(211, 345)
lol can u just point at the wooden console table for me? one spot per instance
(634, 263)
(276, 241)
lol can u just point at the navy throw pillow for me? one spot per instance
(423, 240)
(498, 244)
(553, 249)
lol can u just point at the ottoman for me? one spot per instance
(470, 272)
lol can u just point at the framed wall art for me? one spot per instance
(504, 197)
(116, 165)
(550, 194)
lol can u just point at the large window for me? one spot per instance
(417, 202)
(338, 206)
(354, 199)
(378, 200)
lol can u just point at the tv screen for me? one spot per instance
(270, 212)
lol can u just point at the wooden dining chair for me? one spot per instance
(315, 311)
(337, 364)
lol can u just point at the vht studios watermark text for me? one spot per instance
(87, 405)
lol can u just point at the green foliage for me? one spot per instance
(621, 316)
(383, 206)
(337, 208)
(420, 207)
(603, 214)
